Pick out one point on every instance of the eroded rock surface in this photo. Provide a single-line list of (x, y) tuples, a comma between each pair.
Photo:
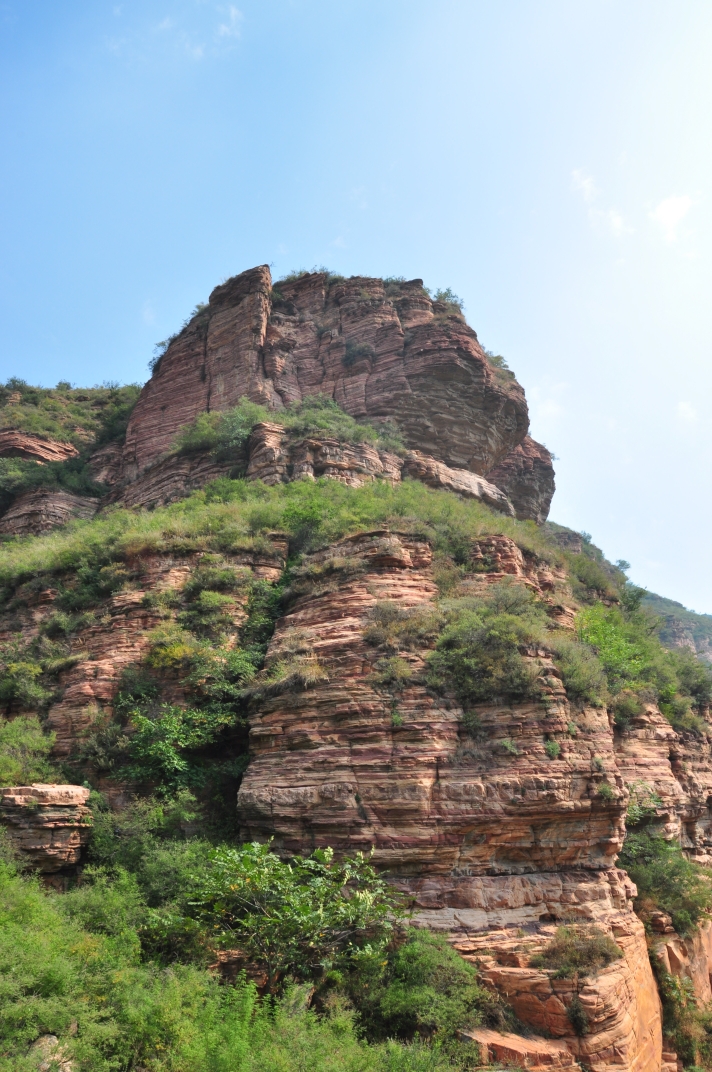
[(14, 444), (43, 509), (379, 354), (47, 824), (526, 476)]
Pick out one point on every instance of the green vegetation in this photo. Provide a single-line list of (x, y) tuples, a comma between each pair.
[(80, 416), (577, 949), (357, 351), (116, 967), (449, 298), (424, 989), (234, 515), (24, 752), (479, 652), (638, 669), (85, 417), (665, 878), (226, 434)]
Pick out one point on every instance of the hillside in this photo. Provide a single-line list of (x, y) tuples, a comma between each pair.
[(317, 612)]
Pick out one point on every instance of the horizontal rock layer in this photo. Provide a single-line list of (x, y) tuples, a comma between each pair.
[(14, 444), (47, 824), (397, 355), (43, 509)]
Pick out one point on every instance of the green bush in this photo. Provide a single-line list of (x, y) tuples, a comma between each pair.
[(581, 672), (423, 988), (24, 752), (577, 949), (299, 917), (552, 749), (222, 432), (479, 658), (666, 879)]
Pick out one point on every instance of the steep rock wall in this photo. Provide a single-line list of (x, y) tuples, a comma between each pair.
[(379, 355), (492, 840)]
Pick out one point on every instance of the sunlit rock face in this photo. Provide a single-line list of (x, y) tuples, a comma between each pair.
[(382, 351)]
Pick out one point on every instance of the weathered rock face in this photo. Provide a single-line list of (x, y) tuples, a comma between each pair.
[(676, 766), (38, 511), (686, 958), (118, 636), (330, 766), (15, 444), (526, 476), (379, 355), (276, 457), (620, 1002), (47, 824), (493, 840)]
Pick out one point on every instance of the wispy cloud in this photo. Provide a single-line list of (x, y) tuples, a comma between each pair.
[(199, 32), (610, 218), (232, 27), (585, 184), (669, 214)]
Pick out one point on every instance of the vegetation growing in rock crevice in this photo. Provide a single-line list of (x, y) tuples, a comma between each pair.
[(577, 950), (225, 434)]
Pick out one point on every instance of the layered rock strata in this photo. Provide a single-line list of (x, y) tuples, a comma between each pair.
[(14, 444), (274, 456), (379, 351), (118, 635), (485, 833), (43, 509), (47, 824), (526, 476)]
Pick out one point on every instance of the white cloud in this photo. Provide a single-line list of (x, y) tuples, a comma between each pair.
[(149, 316), (585, 184), (608, 217), (231, 28), (687, 413), (670, 213)]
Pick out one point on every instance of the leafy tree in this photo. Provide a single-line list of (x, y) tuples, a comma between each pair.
[(299, 916)]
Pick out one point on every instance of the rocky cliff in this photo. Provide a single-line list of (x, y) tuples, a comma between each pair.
[(359, 645), (379, 349)]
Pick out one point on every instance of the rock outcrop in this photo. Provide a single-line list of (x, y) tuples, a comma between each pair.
[(14, 444), (381, 351), (526, 476), (43, 509), (488, 834), (47, 824)]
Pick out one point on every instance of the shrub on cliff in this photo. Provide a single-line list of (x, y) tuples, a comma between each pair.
[(666, 879), (637, 667), (423, 988), (581, 672), (25, 752), (317, 415), (577, 949), (478, 655)]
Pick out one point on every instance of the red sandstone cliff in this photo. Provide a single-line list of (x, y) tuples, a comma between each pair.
[(380, 351)]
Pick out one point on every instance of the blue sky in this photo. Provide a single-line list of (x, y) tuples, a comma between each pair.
[(550, 160)]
